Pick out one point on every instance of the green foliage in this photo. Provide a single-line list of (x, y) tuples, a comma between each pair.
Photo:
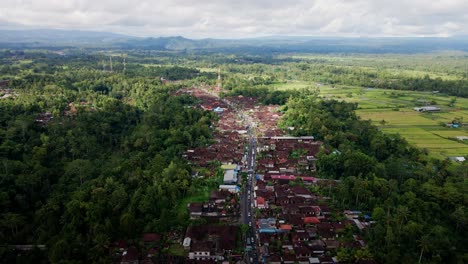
[(109, 169), (419, 206)]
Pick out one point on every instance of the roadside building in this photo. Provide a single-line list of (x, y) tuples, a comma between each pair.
[(427, 109), (230, 177)]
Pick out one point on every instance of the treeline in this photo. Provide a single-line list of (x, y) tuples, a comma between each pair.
[(264, 94), (385, 79), (420, 206), (108, 164), (80, 183)]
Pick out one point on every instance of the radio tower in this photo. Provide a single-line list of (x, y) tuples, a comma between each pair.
[(220, 83), (110, 61), (125, 65)]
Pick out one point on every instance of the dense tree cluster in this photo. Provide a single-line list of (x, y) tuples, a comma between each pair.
[(106, 162), (356, 76), (420, 206), (107, 165)]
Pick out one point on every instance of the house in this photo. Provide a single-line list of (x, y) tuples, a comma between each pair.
[(44, 118), (285, 227), (120, 244), (297, 200), (265, 238), (201, 250), (317, 247), (4, 83), (152, 252), (326, 231), (332, 244), (311, 220), (427, 109), (301, 191), (457, 159), (326, 260), (229, 167), (300, 236), (149, 238), (219, 197), (260, 203), (147, 260), (314, 261), (230, 177), (218, 110), (267, 223), (195, 209), (295, 220), (230, 188), (289, 259), (307, 211), (302, 252), (217, 240), (291, 209), (130, 256), (274, 260), (186, 243)]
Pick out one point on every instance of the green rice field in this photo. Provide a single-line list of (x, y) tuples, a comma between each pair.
[(392, 111)]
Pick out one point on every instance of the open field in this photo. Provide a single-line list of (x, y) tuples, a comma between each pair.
[(421, 129), (392, 111)]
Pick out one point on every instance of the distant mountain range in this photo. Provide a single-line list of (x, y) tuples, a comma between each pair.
[(59, 37), (43, 38)]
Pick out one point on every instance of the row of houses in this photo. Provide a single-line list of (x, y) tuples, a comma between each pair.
[(216, 242), (7, 93), (287, 155), (308, 229), (222, 204), (144, 251), (210, 242), (264, 117), (229, 136), (294, 224)]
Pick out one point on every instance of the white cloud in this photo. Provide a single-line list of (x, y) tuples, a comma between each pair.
[(243, 18)]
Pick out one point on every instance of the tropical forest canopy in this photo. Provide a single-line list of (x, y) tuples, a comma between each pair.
[(89, 155)]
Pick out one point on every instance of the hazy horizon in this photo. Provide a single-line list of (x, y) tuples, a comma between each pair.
[(242, 19)]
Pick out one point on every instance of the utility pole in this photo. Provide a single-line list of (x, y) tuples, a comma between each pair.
[(110, 60), (220, 82)]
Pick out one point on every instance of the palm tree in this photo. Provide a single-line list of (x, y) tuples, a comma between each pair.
[(424, 244), (402, 214), (13, 221)]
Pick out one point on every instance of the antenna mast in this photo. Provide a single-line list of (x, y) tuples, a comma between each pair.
[(219, 78), (110, 60)]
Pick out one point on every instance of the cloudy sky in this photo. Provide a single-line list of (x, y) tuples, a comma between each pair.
[(242, 18)]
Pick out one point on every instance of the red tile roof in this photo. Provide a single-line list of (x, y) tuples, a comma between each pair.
[(260, 201), (311, 220)]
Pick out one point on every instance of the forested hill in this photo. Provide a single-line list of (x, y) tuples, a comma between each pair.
[(420, 205), (90, 157), (263, 45)]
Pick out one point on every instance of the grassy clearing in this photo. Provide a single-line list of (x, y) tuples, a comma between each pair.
[(392, 111), (177, 250), (203, 190), (208, 69), (291, 85), (202, 195), (421, 129)]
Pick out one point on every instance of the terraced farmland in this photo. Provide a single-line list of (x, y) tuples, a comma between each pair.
[(392, 111)]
